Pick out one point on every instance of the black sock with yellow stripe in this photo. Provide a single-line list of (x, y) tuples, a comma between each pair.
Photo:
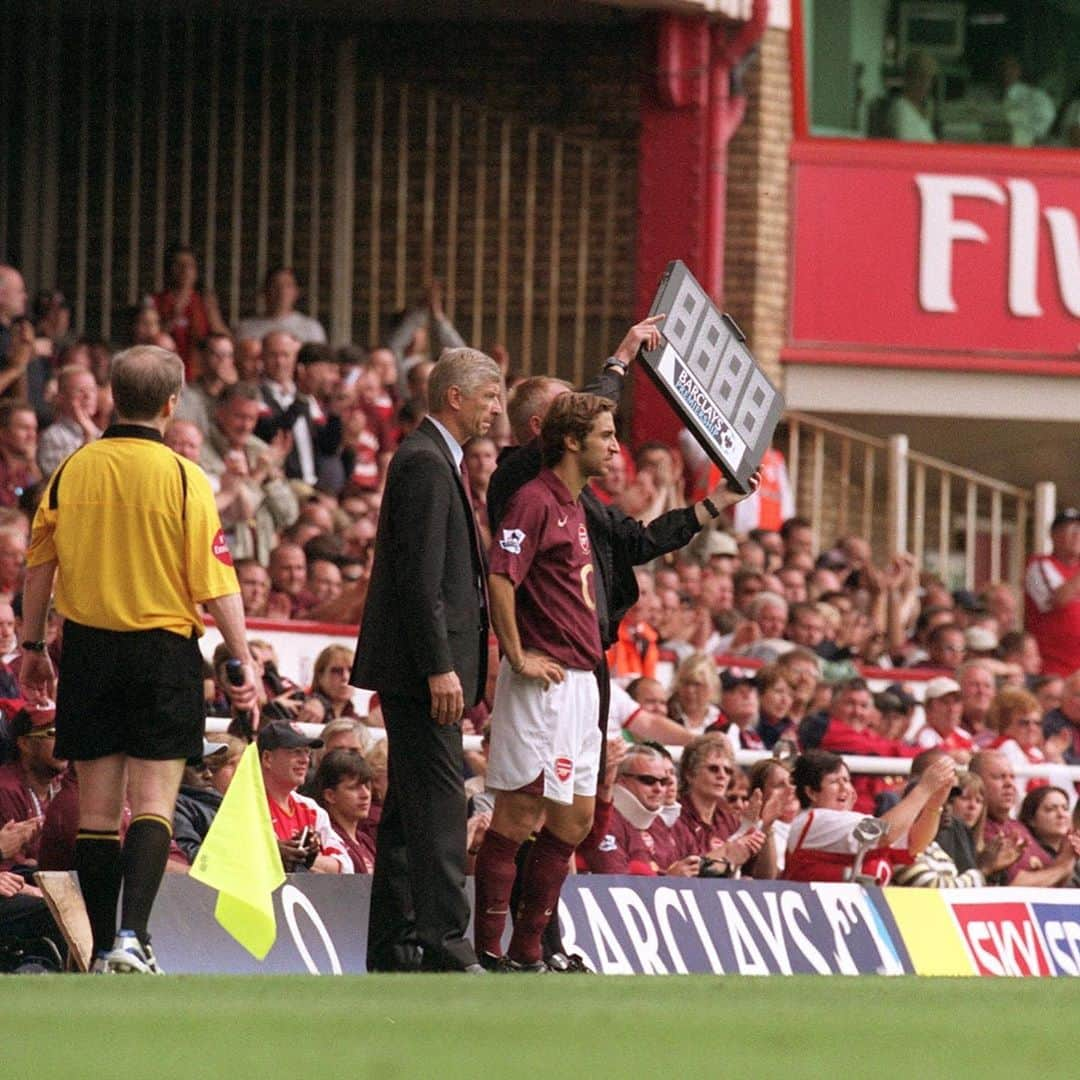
[(146, 851), (99, 866)]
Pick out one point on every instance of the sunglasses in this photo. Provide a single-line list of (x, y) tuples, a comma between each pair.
[(645, 778), (718, 770)]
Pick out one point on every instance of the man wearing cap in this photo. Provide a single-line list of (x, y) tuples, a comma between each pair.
[(944, 707), (740, 706), (306, 839), (1052, 596), (197, 803), (28, 784)]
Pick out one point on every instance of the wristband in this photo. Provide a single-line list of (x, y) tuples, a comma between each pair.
[(34, 646), (710, 508)]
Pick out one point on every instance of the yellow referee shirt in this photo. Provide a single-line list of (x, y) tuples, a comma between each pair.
[(135, 533)]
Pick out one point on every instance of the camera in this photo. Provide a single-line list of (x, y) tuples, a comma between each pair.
[(713, 868)]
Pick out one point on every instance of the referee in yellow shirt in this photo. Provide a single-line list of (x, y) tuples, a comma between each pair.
[(129, 532)]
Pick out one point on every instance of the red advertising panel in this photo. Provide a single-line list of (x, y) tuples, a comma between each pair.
[(942, 256), (1002, 938)]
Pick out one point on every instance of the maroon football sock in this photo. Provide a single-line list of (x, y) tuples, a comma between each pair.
[(495, 870), (545, 872)]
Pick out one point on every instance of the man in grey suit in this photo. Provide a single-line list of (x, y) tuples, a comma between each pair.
[(423, 648)]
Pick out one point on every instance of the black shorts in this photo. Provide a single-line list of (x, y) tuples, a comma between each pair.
[(135, 692)]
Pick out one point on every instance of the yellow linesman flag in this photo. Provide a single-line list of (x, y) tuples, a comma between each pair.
[(240, 858)]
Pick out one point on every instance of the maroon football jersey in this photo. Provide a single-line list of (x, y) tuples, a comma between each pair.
[(543, 547)]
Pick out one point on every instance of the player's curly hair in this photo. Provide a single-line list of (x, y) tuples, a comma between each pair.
[(570, 415)]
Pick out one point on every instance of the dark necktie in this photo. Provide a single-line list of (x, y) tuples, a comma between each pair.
[(481, 581)]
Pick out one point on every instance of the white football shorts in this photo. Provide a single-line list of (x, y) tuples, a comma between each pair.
[(546, 742)]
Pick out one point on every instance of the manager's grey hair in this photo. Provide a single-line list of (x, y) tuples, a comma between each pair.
[(467, 369)]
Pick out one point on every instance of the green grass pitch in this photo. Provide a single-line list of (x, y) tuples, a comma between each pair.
[(539, 1027)]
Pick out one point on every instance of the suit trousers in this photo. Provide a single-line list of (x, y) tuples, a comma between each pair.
[(418, 890)]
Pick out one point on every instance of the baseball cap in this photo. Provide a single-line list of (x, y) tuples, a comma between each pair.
[(278, 735), (209, 748), (729, 680), (34, 720), (1069, 516), (941, 686)]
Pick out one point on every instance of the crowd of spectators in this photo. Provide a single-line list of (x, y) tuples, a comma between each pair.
[(757, 640)]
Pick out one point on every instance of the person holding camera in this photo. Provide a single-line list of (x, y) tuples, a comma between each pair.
[(306, 839)]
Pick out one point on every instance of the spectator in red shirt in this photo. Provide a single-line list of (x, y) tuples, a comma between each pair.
[(306, 839), (1052, 596), (944, 707), (188, 313), (848, 732)]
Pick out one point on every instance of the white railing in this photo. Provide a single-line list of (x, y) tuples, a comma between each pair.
[(968, 528)]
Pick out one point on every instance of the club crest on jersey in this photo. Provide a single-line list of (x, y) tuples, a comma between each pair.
[(583, 538), (564, 768), (511, 541), (221, 549)]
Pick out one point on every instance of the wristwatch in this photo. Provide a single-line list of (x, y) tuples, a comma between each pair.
[(710, 508), (34, 646), (615, 362)]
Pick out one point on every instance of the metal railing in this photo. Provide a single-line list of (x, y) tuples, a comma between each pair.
[(968, 528)]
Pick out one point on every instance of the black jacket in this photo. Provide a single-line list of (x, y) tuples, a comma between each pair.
[(194, 812), (619, 543), (424, 613), (326, 436)]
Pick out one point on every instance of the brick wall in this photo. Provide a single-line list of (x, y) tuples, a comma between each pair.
[(756, 262)]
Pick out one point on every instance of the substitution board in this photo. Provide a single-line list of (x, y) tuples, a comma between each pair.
[(703, 367)]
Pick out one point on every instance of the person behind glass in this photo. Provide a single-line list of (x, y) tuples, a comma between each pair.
[(423, 648), (188, 312), (909, 113), (1045, 811)]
